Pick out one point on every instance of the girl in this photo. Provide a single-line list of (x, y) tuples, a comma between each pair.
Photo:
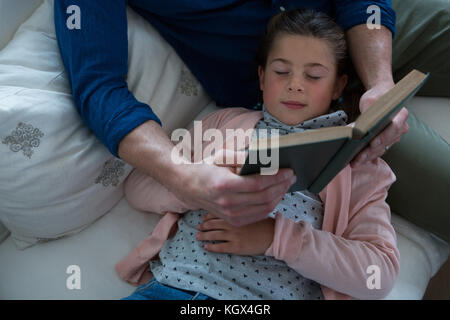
[(335, 245)]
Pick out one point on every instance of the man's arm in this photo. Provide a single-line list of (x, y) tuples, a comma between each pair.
[(95, 57), (371, 53)]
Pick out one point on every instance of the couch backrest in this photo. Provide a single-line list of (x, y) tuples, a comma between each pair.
[(12, 14)]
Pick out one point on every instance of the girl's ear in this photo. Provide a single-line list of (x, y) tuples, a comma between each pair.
[(341, 82), (261, 78)]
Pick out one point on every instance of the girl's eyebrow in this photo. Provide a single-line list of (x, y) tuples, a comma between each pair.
[(312, 64), (316, 64), (282, 60)]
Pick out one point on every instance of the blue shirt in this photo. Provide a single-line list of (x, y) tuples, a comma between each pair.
[(216, 39)]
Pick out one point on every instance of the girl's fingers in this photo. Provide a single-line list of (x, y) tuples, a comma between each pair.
[(209, 216), (224, 247), (216, 235), (213, 224), (253, 213)]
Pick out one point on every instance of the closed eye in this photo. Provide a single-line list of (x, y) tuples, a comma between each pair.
[(312, 77), (279, 72)]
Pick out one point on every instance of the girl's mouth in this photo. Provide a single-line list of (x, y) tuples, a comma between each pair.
[(294, 105)]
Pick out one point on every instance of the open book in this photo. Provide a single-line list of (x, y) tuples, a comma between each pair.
[(318, 155)]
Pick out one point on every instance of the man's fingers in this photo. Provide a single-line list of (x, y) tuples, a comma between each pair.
[(251, 214), (266, 196), (257, 182), (245, 208), (400, 119), (228, 158), (213, 224), (390, 136)]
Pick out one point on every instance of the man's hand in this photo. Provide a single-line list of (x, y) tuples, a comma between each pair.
[(239, 200), (252, 239), (391, 135), (371, 53)]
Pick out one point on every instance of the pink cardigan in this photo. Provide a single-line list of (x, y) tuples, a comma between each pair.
[(356, 231)]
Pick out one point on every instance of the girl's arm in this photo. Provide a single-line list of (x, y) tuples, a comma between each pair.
[(146, 194), (367, 248)]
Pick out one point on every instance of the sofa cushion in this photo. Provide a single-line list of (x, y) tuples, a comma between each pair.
[(60, 178), (41, 271)]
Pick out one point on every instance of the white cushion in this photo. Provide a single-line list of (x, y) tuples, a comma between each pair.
[(60, 178), (421, 256), (40, 272), (12, 14)]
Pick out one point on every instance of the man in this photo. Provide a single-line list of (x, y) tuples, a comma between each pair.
[(207, 34)]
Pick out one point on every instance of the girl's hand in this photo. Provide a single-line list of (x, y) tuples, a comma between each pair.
[(252, 239)]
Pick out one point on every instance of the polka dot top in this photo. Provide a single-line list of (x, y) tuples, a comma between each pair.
[(185, 264)]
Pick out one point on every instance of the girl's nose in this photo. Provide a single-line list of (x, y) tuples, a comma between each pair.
[(290, 88), (295, 85)]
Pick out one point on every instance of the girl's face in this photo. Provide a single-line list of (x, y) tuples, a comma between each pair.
[(299, 80)]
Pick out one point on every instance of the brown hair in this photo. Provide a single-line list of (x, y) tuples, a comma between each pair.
[(310, 23)]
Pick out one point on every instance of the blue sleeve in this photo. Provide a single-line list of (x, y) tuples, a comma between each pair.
[(95, 57), (350, 13)]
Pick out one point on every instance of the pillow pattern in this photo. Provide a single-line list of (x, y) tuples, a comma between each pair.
[(57, 178)]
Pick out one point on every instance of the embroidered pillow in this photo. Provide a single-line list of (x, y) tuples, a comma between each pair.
[(56, 177)]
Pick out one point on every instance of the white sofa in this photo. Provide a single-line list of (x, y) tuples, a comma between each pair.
[(41, 271)]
